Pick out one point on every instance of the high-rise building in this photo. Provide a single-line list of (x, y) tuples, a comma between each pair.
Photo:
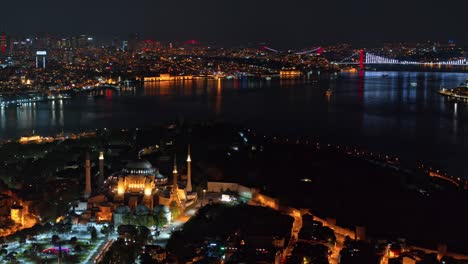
[(3, 43), (43, 54)]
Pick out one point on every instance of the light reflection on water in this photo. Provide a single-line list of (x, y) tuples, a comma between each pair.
[(396, 112)]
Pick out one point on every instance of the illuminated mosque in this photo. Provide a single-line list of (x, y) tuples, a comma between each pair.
[(137, 185)]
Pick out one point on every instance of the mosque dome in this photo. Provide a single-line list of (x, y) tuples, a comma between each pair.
[(139, 167)]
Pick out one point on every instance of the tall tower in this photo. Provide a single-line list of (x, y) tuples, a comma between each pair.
[(3, 43), (87, 192), (189, 172), (42, 54), (174, 174), (101, 168), (361, 59)]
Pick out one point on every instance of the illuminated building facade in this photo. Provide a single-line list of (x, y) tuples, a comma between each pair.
[(290, 73), (41, 54), (17, 214), (34, 139), (167, 77), (139, 177), (137, 185)]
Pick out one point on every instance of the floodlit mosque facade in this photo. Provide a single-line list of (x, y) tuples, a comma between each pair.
[(137, 185), (139, 177)]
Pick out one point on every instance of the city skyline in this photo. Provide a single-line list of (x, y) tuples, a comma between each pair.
[(152, 132), (295, 24)]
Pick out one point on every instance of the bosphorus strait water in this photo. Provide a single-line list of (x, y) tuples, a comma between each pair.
[(398, 113)]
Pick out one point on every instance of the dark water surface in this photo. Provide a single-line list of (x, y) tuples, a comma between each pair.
[(380, 111)]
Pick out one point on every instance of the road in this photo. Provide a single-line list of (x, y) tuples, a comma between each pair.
[(98, 255), (296, 228), (166, 232)]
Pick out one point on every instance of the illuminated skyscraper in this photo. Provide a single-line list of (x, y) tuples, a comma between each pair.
[(3, 43), (42, 54)]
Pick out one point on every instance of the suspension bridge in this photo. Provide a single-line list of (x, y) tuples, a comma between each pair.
[(362, 58)]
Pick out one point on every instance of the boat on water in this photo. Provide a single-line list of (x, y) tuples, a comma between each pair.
[(413, 84), (268, 78)]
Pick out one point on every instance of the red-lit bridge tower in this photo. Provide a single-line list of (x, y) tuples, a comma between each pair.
[(362, 56)]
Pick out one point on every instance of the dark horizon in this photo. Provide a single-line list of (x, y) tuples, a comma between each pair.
[(296, 23)]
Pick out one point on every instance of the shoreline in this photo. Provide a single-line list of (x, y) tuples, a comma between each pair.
[(448, 93)]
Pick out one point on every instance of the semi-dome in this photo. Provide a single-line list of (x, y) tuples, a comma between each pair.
[(139, 167), (160, 179), (123, 209), (142, 210)]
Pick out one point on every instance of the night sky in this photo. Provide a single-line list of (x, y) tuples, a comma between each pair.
[(284, 23)]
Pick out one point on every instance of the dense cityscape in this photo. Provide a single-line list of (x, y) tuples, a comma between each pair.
[(44, 67), (247, 132), (96, 197), (47, 62)]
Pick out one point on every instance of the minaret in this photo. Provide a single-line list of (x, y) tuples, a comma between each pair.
[(101, 169), (174, 174), (87, 192), (188, 188)]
